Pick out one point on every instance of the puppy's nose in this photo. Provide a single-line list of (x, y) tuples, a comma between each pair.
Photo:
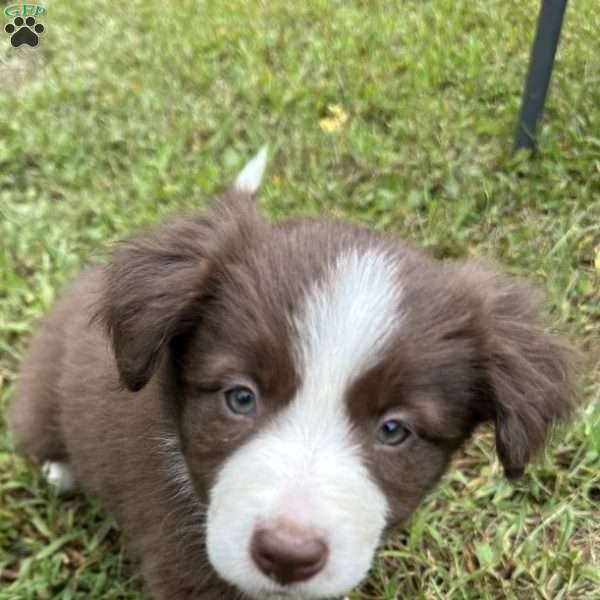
[(288, 554)]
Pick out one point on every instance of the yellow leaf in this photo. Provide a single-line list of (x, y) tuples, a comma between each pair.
[(337, 119)]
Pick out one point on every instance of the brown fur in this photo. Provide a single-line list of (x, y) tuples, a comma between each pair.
[(119, 381)]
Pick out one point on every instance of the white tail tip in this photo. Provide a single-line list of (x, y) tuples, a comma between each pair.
[(251, 175)]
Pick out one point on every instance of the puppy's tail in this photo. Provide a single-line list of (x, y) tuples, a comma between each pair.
[(250, 177)]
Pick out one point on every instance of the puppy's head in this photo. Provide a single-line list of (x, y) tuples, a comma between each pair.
[(322, 376)]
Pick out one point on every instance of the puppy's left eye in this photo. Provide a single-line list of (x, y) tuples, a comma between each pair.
[(392, 432), (241, 400)]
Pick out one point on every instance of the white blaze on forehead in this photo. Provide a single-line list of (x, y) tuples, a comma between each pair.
[(346, 322)]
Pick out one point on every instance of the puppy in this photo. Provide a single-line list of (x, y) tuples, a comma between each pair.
[(259, 404)]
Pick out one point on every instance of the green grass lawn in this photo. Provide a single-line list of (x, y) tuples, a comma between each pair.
[(128, 111)]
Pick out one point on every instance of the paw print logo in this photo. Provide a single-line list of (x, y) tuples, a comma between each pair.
[(24, 31)]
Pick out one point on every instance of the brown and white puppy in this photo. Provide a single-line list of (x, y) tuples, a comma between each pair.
[(259, 404)]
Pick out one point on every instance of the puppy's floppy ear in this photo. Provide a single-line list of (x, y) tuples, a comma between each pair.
[(529, 373), (154, 285), (151, 285)]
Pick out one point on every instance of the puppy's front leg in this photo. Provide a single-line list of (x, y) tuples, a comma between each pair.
[(163, 526), (171, 572), (187, 590)]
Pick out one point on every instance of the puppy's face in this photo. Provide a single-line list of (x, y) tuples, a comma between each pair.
[(323, 375), (320, 404)]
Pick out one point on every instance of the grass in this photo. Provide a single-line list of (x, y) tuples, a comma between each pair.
[(128, 111)]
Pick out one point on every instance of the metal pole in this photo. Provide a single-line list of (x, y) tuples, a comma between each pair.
[(549, 25)]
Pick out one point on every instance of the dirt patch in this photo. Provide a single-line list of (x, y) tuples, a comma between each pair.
[(19, 67)]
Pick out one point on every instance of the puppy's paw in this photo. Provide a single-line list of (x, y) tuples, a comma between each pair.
[(59, 476)]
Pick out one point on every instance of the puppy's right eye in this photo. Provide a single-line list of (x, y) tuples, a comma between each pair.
[(241, 401), (392, 432)]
